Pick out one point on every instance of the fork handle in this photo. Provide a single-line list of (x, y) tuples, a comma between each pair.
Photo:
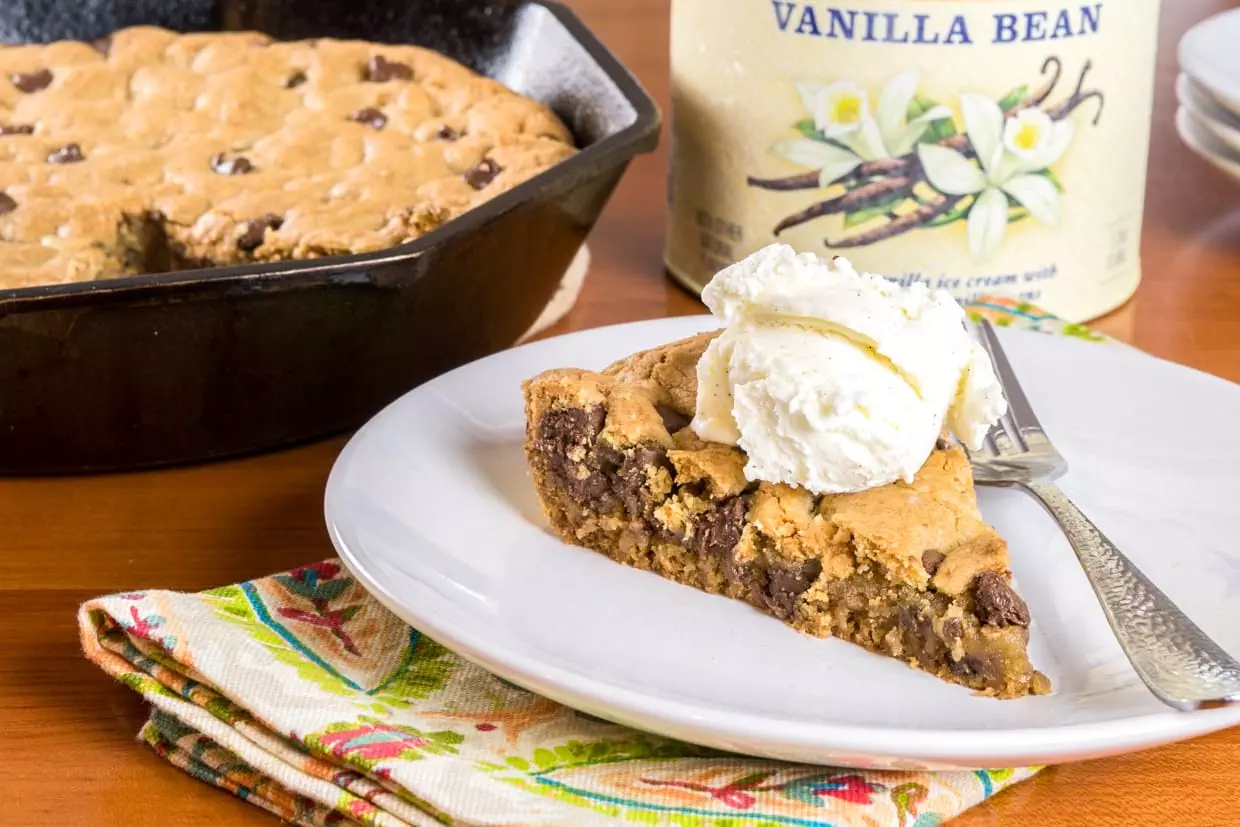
[(1176, 660)]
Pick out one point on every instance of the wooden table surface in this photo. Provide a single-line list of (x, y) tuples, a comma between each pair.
[(69, 755)]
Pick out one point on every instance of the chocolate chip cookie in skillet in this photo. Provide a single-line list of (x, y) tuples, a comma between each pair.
[(153, 151)]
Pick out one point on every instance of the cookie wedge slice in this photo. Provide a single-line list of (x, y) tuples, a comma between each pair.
[(910, 571)]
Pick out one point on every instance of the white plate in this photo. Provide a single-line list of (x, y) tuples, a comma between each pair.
[(1206, 111), (1198, 137), (429, 505), (1208, 53)]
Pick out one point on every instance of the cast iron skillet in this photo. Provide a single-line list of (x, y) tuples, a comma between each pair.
[(185, 366)]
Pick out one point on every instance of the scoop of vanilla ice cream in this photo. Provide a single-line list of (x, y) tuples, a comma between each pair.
[(834, 380)]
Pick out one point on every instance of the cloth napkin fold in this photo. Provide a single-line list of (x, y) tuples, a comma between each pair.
[(303, 695)]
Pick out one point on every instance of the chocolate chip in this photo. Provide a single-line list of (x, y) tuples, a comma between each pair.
[(483, 174), (380, 69), (563, 429), (985, 667), (254, 231), (294, 80), (67, 154), (785, 584), (953, 630), (370, 116), (571, 432), (633, 474), (932, 559), (17, 129), (7, 204), (718, 530), (231, 166), (103, 45), (673, 419), (447, 133), (996, 604), (919, 637), (30, 82)]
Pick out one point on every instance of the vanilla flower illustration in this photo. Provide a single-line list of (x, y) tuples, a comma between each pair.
[(841, 112), (1009, 157)]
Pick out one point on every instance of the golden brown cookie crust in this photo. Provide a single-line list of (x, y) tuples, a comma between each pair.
[(232, 147)]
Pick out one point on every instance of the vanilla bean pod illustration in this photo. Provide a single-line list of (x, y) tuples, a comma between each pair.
[(1078, 97), (1040, 97), (898, 226), (898, 176), (864, 196), (907, 165), (801, 181)]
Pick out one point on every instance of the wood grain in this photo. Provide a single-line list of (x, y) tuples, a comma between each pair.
[(69, 756)]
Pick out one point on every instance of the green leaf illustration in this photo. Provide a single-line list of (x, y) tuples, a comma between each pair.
[(935, 130), (1078, 331), (1052, 177), (852, 219), (1011, 99), (956, 213), (809, 130)]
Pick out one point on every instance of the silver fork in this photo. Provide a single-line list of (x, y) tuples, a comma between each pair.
[(1180, 664)]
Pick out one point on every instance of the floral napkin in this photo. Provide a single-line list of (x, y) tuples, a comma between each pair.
[(303, 695)]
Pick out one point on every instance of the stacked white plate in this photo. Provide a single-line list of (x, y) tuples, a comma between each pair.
[(1208, 89)]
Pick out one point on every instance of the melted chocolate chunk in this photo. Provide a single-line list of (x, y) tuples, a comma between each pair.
[(231, 166), (67, 154), (447, 133), (370, 116), (919, 637), (673, 419), (294, 80), (718, 530), (985, 667), (633, 473), (568, 432), (483, 174), (17, 129), (561, 430), (996, 604), (7, 204), (953, 630), (785, 585), (31, 82), (255, 230), (103, 45), (932, 559), (380, 69)]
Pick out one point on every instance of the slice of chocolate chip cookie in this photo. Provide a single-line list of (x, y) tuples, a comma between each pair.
[(908, 570)]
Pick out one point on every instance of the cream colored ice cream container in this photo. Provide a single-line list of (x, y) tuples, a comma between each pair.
[(987, 147)]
